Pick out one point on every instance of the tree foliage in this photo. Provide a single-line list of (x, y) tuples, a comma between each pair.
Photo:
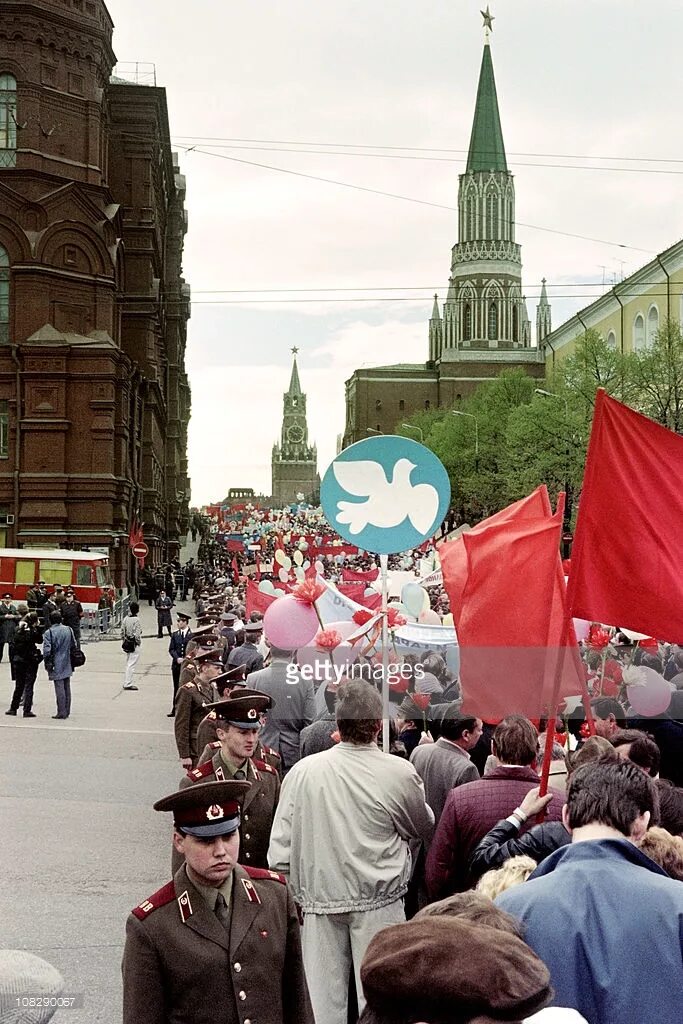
[(507, 438)]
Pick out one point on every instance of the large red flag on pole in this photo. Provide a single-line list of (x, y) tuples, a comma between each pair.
[(626, 558)]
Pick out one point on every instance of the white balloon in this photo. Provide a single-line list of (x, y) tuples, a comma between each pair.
[(298, 558), (284, 575), (300, 574)]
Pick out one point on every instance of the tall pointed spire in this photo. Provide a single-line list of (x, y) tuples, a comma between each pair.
[(294, 385), (543, 316), (487, 149)]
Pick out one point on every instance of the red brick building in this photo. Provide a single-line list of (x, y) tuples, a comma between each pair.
[(94, 398)]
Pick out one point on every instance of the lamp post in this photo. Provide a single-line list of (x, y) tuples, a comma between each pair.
[(567, 519), (371, 430), (470, 415), (411, 426)]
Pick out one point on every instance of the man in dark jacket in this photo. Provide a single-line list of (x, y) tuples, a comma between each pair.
[(177, 648), (471, 810), (72, 613), (8, 624), (293, 705), (247, 654)]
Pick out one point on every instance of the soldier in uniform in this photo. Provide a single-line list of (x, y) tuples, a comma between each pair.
[(247, 654), (237, 729), (190, 706), (219, 944), (207, 741), (176, 648)]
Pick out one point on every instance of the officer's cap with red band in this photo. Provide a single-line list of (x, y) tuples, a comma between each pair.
[(206, 809)]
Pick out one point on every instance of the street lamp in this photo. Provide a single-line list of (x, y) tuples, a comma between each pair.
[(411, 426), (567, 519), (457, 412)]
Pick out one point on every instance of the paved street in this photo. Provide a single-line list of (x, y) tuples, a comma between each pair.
[(80, 843)]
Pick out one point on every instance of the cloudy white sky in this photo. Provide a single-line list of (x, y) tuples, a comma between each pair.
[(578, 81)]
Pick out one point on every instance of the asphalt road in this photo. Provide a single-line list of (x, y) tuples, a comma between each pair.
[(79, 842)]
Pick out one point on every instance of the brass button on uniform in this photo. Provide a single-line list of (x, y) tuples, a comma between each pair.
[(247, 1021), (238, 967), (242, 995), (247, 855), (247, 836)]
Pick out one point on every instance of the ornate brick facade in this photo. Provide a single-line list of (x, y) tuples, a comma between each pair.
[(92, 360)]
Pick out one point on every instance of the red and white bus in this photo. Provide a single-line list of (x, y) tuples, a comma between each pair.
[(86, 572)]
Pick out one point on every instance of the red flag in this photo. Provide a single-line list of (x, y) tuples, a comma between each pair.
[(356, 592), (360, 575), (256, 600), (626, 554), (235, 570), (508, 595)]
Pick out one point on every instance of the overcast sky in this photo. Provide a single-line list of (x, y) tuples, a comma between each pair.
[(576, 78)]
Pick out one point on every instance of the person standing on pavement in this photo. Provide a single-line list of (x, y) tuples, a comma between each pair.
[(72, 613), (58, 643), (26, 659), (190, 706), (248, 654), (220, 943), (341, 832), (163, 604), (177, 648), (131, 642), (8, 624)]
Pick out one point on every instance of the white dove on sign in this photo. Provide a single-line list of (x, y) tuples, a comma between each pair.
[(387, 504)]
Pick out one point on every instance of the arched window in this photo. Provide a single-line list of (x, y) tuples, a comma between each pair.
[(8, 121), (472, 206), (611, 340), (492, 214), (493, 321), (4, 296), (652, 325), (638, 333), (515, 322), (467, 333)]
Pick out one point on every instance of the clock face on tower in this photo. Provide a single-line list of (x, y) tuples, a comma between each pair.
[(295, 434)]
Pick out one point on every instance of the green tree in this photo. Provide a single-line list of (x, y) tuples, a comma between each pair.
[(657, 375)]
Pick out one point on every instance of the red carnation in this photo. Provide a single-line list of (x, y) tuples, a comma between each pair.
[(335, 737), (610, 687), (394, 618), (399, 684), (328, 639), (598, 638), (649, 644), (613, 671), (362, 616), (421, 700), (585, 731), (309, 591)]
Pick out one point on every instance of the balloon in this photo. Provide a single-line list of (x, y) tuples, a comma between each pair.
[(306, 565), (412, 596), (283, 575), (280, 556), (319, 567), (278, 593), (266, 587), (448, 620), (303, 545), (651, 699), (290, 624), (426, 603), (298, 558), (369, 592), (581, 628), (300, 574), (286, 563), (323, 667), (429, 618), (345, 629)]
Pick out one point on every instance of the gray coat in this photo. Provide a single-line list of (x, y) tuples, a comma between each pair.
[(58, 641), (293, 708), (442, 766)]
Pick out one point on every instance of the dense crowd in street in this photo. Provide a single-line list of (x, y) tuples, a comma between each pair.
[(316, 878)]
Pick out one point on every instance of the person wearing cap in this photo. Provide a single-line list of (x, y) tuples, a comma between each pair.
[(248, 653), (199, 634), (220, 943), (176, 648), (190, 705), (223, 684), (227, 632), (237, 729), (163, 605), (8, 624)]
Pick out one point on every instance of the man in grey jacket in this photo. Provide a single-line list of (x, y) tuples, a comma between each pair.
[(341, 833), (293, 705), (446, 764)]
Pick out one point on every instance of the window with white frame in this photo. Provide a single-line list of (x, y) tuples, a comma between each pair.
[(611, 340), (652, 325), (638, 333), (8, 120)]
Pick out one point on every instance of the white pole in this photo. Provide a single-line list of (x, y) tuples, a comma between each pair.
[(384, 572)]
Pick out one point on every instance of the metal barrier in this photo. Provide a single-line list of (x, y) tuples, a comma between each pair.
[(103, 623)]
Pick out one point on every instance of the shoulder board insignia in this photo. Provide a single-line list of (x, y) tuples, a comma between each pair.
[(189, 685), (200, 773), (272, 753), (215, 744), (158, 899), (219, 773), (263, 766), (184, 906), (249, 889), (264, 873), (212, 716)]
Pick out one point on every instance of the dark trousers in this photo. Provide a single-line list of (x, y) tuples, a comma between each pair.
[(161, 624), (25, 679), (175, 672), (63, 696)]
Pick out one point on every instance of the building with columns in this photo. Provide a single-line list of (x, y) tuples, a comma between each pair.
[(94, 397), (294, 461), (483, 326)]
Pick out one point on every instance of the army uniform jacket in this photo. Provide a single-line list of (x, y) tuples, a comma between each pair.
[(182, 966), (190, 703), (258, 807), (207, 745)]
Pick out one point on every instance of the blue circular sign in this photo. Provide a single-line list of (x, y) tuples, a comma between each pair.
[(385, 494)]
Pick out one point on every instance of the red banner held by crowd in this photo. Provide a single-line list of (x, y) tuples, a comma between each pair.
[(626, 556), (360, 575)]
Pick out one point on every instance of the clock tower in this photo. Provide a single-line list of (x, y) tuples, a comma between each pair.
[(294, 463)]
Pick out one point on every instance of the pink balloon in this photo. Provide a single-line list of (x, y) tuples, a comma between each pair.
[(652, 699), (581, 628), (326, 669), (429, 618), (289, 624)]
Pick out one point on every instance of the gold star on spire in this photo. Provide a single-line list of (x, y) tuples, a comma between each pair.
[(488, 21), (295, 350)]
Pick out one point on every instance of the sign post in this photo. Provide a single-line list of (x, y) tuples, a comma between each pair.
[(140, 550), (386, 494)]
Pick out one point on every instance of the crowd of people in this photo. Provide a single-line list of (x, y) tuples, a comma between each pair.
[(430, 884)]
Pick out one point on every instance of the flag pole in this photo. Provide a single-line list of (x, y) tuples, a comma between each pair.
[(384, 574)]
